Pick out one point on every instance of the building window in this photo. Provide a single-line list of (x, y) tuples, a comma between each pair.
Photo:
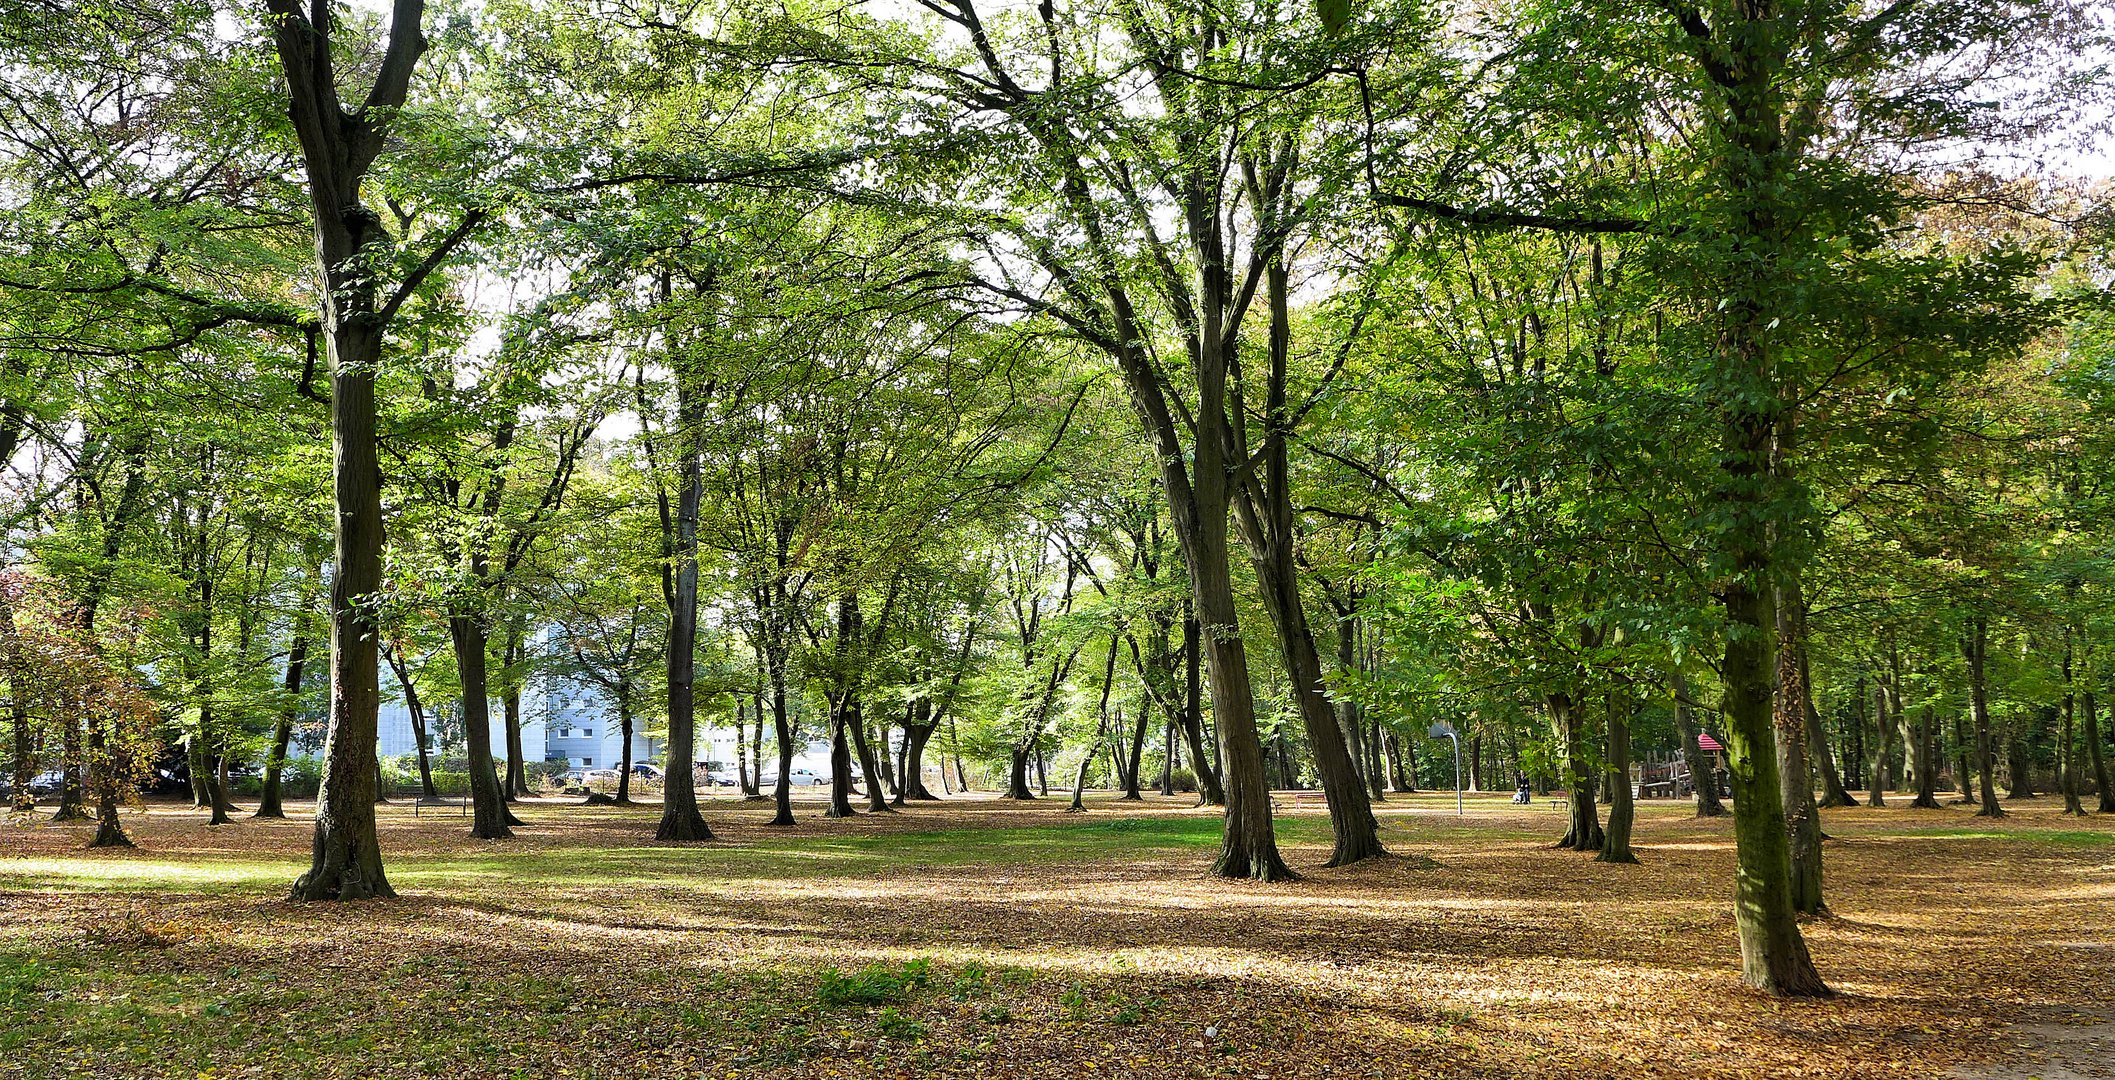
[(587, 733), (587, 761)]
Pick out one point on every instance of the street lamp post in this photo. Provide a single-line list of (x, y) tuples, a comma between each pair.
[(1446, 730)]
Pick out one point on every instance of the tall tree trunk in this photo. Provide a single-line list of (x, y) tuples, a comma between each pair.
[(1875, 794), (338, 147), (416, 710), (877, 802), (782, 731), (1265, 513), (1622, 813), (624, 742), (1927, 770), (2095, 753), (680, 821), (1795, 775), (1976, 647), (1365, 751), (513, 654), (1963, 777), (489, 816)]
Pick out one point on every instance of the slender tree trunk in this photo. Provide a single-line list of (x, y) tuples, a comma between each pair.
[(1833, 792), (1963, 778), (2095, 753), (624, 741), (1875, 794), (782, 730), (877, 802), (680, 821), (513, 654), (1209, 790), (1979, 705)]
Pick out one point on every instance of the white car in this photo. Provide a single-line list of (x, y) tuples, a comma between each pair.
[(796, 778)]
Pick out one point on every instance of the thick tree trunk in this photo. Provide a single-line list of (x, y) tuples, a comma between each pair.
[(1137, 755), (1622, 813), (489, 817), (680, 821), (1976, 648), (841, 758), (1795, 775), (1926, 769), (915, 738), (1583, 831)]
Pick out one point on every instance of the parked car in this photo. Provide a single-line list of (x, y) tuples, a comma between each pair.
[(796, 778), (648, 772), (721, 778)]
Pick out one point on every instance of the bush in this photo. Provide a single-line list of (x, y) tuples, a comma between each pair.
[(1183, 780)]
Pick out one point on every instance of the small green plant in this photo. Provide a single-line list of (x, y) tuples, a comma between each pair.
[(974, 981), (996, 1014), (1131, 1012), (875, 984), (1074, 999), (895, 1025)]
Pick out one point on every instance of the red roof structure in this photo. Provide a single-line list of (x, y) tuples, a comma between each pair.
[(1707, 744)]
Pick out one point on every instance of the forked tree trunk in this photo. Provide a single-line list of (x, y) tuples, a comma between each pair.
[(1265, 513), (337, 148)]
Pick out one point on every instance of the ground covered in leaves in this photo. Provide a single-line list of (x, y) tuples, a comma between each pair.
[(991, 939)]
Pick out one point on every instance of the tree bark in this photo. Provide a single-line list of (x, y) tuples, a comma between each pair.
[(489, 817), (1795, 772), (1583, 831), (1622, 813), (338, 147), (2095, 753)]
